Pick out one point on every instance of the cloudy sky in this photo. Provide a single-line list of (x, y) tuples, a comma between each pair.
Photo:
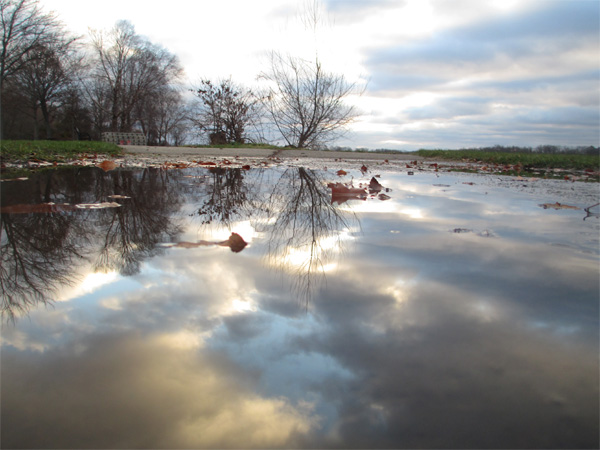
[(438, 73)]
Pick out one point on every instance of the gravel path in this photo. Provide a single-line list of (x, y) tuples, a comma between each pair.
[(190, 152)]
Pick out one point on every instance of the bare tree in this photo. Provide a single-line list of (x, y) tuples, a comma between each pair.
[(25, 29), (47, 78), (128, 69), (225, 111), (306, 103), (164, 117)]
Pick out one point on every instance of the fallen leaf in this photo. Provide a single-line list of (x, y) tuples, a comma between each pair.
[(364, 169), (383, 197), (117, 196), (341, 172), (178, 165), (341, 193), (16, 179), (235, 242), (107, 165), (374, 185), (101, 205), (557, 206)]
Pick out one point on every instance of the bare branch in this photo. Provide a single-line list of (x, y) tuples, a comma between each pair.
[(306, 103)]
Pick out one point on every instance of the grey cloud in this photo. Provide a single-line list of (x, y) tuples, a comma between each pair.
[(393, 81), (448, 108), (413, 362), (468, 125), (134, 391), (433, 367), (570, 116), (562, 85), (242, 327), (567, 117), (553, 28), (553, 20)]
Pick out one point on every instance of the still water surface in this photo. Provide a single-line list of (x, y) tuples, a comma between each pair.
[(428, 312)]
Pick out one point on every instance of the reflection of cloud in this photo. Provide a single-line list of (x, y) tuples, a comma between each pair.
[(419, 338), (450, 356), (131, 391), (90, 283)]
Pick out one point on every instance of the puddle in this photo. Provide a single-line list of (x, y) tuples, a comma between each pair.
[(288, 306)]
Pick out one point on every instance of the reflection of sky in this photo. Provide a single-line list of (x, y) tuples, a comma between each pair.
[(420, 337)]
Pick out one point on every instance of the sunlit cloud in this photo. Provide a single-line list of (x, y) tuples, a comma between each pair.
[(182, 397), (89, 284)]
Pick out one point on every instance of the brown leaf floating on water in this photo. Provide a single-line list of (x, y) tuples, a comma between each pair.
[(557, 206), (341, 193), (15, 179), (107, 165), (101, 205), (375, 186), (235, 242), (117, 196)]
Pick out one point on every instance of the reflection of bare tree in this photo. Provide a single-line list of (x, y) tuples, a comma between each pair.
[(227, 196), (39, 250), (131, 233), (304, 226), (293, 209), (37, 253)]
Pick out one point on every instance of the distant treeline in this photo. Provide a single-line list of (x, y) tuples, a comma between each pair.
[(545, 149)]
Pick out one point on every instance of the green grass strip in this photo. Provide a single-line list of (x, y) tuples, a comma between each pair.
[(55, 150), (537, 160)]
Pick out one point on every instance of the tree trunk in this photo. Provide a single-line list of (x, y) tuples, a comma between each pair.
[(46, 116), (36, 127)]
